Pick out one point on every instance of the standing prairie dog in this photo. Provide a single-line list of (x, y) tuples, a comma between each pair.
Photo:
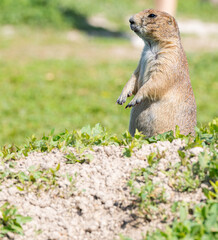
[(163, 93)]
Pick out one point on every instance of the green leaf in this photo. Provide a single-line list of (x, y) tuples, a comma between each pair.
[(20, 188), (183, 212), (52, 131), (174, 206), (58, 167), (177, 132), (87, 130), (151, 158), (127, 152), (21, 219), (181, 154)]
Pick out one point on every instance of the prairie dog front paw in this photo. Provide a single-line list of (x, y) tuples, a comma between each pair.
[(136, 100), (122, 99)]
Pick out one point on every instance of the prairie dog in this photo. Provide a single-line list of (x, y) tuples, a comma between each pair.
[(163, 93)]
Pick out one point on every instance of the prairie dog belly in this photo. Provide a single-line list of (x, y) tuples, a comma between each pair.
[(152, 118), (141, 118)]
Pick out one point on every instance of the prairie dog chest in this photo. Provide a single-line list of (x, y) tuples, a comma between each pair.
[(147, 63)]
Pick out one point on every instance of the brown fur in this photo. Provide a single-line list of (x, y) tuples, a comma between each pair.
[(161, 84)]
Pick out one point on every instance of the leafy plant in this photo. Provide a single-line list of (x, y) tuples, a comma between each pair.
[(154, 158), (212, 195), (182, 177), (88, 137), (187, 176), (37, 179), (202, 224), (132, 142), (148, 194), (10, 220), (71, 158)]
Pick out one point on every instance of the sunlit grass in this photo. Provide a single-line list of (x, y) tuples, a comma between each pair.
[(66, 85), (64, 13)]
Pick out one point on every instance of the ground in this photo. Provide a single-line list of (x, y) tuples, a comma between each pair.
[(92, 200)]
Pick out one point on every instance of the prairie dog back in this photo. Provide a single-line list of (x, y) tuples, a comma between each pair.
[(163, 93)]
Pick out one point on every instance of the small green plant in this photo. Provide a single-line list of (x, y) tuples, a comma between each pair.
[(148, 195), (5, 174), (154, 158), (10, 220), (212, 195), (124, 238), (130, 142), (182, 178), (202, 223), (84, 158), (37, 179), (188, 176), (207, 165), (70, 188), (88, 137), (9, 152), (183, 157)]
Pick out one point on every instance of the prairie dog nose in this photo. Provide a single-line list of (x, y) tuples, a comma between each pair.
[(131, 20)]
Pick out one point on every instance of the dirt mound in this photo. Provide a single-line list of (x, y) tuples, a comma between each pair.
[(89, 199)]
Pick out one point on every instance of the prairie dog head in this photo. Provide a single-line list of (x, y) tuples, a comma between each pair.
[(154, 25)]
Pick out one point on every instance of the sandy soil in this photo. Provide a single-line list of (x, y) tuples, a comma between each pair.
[(96, 204)]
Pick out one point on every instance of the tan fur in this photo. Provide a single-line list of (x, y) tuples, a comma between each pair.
[(161, 84)]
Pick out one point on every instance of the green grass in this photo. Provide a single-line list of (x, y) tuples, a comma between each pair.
[(200, 9), (39, 92), (65, 13), (203, 73), (79, 94)]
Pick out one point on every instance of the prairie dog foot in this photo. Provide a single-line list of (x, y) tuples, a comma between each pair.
[(136, 100), (122, 98)]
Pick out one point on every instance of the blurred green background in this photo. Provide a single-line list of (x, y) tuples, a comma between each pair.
[(61, 70)]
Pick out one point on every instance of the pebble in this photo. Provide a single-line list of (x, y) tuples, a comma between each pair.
[(108, 204), (196, 150)]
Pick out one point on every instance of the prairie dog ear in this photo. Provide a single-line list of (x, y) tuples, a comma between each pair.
[(169, 22), (172, 21)]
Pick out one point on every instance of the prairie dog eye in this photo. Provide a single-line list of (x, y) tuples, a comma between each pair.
[(152, 15)]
